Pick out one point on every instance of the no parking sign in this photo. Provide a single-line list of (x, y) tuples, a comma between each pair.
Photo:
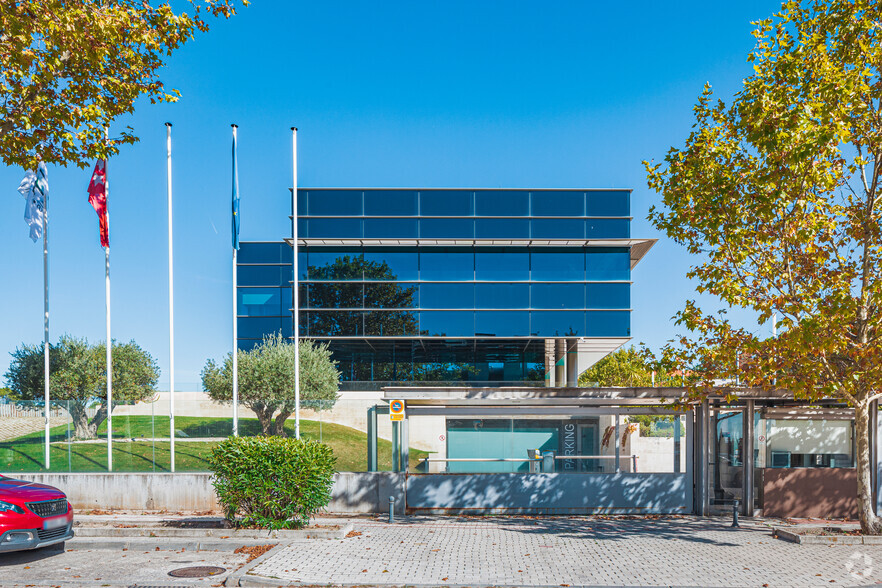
[(396, 410)]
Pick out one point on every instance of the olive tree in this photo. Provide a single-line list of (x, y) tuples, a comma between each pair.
[(266, 380)]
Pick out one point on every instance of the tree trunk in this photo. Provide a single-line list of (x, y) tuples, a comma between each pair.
[(83, 429), (264, 417), (870, 523), (280, 423)]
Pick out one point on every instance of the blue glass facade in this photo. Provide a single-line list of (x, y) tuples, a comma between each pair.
[(444, 285)]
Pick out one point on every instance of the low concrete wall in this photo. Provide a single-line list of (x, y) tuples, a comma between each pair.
[(353, 492), (809, 492)]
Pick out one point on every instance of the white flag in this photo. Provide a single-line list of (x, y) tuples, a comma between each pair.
[(35, 187)]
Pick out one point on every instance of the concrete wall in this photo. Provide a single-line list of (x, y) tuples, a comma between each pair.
[(808, 492), (359, 492)]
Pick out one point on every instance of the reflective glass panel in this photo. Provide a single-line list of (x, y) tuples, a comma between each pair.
[(391, 295), (558, 203), (609, 296), (335, 323), (447, 228), (304, 296), (557, 264), (502, 228), (446, 264), (446, 203), (502, 203), (335, 264), (301, 264), (558, 228), (609, 203), (562, 323), (391, 323), (502, 264), (258, 327), (609, 323), (445, 323), (334, 202), (447, 296), (390, 228), (390, 203), (331, 295), (263, 275), (502, 323), (263, 253), (391, 263), (558, 296), (608, 263), (260, 302), (334, 228), (302, 228), (502, 296), (608, 228)]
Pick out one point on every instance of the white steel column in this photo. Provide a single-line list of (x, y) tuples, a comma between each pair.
[(171, 303), (46, 410), (109, 344), (296, 294)]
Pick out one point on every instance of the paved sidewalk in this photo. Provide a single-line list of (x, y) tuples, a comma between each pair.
[(547, 551)]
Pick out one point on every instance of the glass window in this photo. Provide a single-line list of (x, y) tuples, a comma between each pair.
[(335, 264), (608, 263), (260, 302), (608, 296), (809, 443), (562, 323), (558, 296), (557, 264), (302, 266), (390, 323), (447, 264), (390, 228), (331, 295), (334, 228), (447, 228), (301, 203), (558, 203), (263, 253), (502, 323), (259, 327), (446, 203), (502, 264), (263, 275), (302, 228), (447, 296), (447, 323), (609, 203), (303, 324), (502, 228), (335, 323), (390, 203), (303, 295), (334, 202), (609, 323), (502, 296), (391, 263), (391, 295), (558, 228), (502, 203), (608, 228)]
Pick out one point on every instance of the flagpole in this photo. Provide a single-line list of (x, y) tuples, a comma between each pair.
[(171, 302), (235, 299), (109, 344), (45, 315), (296, 294)]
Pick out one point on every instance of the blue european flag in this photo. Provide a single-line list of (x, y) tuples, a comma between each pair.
[(235, 194)]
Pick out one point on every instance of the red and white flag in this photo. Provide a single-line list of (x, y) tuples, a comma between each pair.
[(98, 200)]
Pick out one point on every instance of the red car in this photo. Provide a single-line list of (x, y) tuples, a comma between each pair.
[(32, 515)]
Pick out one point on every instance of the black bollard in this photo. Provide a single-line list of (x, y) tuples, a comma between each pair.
[(735, 506), (391, 509)]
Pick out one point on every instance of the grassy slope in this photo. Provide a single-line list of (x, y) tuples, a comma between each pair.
[(25, 454)]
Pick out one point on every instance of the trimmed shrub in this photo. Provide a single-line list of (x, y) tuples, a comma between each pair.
[(272, 482)]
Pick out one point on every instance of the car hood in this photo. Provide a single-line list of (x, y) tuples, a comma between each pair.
[(27, 491)]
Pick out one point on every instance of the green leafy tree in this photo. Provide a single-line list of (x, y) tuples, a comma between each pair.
[(777, 194), (78, 378), (266, 380), (631, 367), (68, 68)]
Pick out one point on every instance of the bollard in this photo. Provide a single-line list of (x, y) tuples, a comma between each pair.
[(735, 506), (391, 509)]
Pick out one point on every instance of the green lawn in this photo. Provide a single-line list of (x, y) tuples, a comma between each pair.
[(25, 454)]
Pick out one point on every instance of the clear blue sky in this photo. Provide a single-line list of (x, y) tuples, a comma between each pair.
[(391, 94)]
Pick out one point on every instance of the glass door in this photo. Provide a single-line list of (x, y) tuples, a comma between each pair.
[(588, 446)]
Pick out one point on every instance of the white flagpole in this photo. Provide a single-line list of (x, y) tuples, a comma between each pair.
[(45, 313), (235, 301), (109, 344), (296, 295), (171, 303)]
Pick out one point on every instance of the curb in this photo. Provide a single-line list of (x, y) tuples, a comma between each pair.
[(237, 577), (792, 537), (151, 544), (225, 534)]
